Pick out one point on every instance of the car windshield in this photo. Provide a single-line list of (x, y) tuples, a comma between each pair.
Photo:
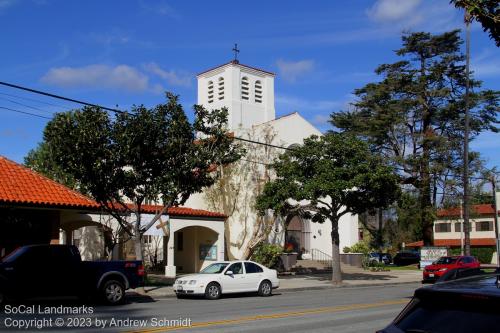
[(446, 260), (216, 268)]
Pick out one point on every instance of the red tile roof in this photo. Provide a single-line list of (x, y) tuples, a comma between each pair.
[(483, 209), (182, 211), (235, 62), (21, 185), (456, 242)]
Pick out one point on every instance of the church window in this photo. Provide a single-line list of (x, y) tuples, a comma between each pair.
[(210, 91), (258, 92), (245, 88), (221, 88)]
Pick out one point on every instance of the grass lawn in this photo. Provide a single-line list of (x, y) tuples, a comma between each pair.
[(403, 268)]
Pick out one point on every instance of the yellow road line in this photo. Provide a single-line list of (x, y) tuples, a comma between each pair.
[(337, 308)]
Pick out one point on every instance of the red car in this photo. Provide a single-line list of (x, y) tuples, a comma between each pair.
[(444, 264)]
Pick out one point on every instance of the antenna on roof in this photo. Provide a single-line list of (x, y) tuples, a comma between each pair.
[(236, 51)]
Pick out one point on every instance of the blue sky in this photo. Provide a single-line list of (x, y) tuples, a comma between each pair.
[(119, 53)]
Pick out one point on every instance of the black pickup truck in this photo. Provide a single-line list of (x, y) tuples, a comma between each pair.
[(35, 271)]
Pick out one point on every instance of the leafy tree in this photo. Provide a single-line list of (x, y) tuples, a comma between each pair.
[(40, 160), (486, 12), (145, 154), (414, 116), (326, 178), (235, 191)]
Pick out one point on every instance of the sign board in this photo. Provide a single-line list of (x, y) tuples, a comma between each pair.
[(208, 252), (429, 254)]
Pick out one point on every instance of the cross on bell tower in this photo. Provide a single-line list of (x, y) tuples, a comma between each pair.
[(236, 51)]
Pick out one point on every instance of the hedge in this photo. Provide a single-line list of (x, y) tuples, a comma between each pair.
[(483, 254)]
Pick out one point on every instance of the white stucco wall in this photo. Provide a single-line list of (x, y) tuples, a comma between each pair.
[(473, 232), (242, 113)]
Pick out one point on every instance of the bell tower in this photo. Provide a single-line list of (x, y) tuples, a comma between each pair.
[(247, 93)]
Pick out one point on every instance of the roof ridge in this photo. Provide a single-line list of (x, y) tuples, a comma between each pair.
[(237, 63)]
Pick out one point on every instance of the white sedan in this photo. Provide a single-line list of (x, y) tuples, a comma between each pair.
[(228, 277)]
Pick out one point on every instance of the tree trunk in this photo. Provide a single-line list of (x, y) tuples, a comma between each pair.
[(138, 238), (426, 215), (380, 234), (138, 246), (336, 272)]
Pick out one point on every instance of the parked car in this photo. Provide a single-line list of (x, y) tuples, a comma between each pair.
[(460, 306), (377, 257), (433, 272), (58, 270), (460, 273), (228, 277), (406, 258)]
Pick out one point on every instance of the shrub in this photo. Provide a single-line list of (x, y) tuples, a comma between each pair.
[(483, 254), (360, 247), (346, 249), (267, 254)]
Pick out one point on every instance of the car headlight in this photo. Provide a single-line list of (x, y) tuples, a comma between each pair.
[(192, 282), (176, 281), (443, 269)]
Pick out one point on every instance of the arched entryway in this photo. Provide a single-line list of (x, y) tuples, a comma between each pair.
[(91, 238), (195, 247), (297, 235)]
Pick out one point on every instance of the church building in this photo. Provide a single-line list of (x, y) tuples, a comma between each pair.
[(248, 94)]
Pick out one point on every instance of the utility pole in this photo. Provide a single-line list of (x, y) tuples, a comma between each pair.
[(461, 228), (495, 215), (467, 19)]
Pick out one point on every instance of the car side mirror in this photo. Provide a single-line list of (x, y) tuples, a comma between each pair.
[(229, 273)]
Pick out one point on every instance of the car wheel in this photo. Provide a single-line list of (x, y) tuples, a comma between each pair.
[(212, 291), (265, 288), (113, 292), (180, 296)]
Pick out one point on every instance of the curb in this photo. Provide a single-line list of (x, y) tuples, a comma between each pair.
[(135, 295)]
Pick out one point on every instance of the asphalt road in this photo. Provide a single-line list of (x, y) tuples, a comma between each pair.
[(357, 310)]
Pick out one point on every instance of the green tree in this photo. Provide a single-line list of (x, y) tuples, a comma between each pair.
[(40, 160), (145, 154), (326, 178), (486, 12), (414, 116)]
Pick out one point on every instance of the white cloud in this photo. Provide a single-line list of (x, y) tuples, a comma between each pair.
[(161, 8), (291, 70), (110, 38), (393, 10), (426, 15), (98, 76), (172, 77)]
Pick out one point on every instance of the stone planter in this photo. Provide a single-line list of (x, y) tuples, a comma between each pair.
[(353, 259), (288, 260)]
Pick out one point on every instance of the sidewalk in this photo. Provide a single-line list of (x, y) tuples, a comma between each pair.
[(352, 277)]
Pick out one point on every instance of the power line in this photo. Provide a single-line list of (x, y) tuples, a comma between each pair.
[(24, 112), (36, 100), (125, 112), (263, 143), (25, 105), (59, 97)]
